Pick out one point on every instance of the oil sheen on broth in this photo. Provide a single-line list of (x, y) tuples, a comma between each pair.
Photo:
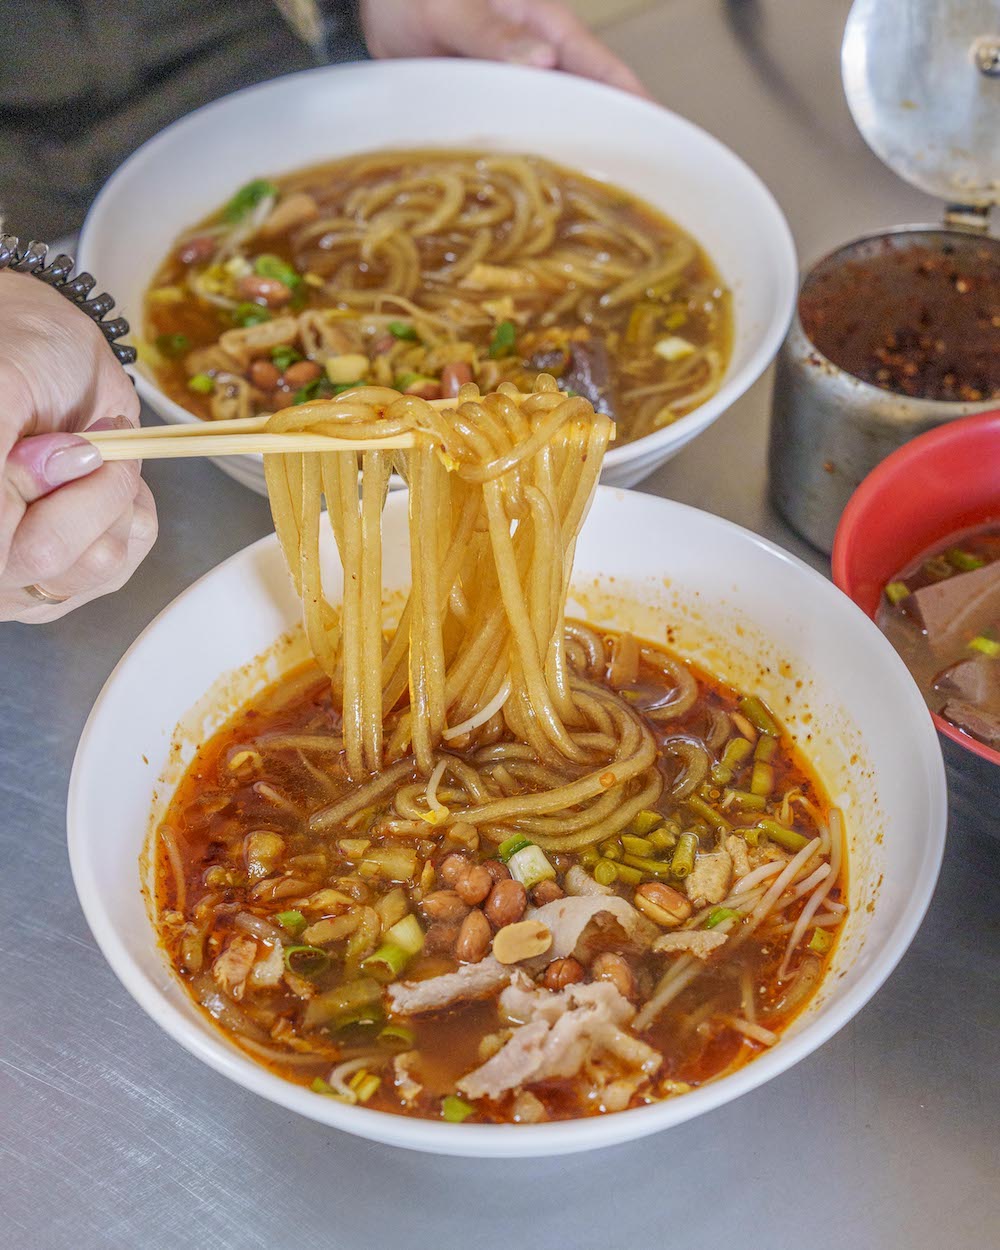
[(282, 934), (423, 270)]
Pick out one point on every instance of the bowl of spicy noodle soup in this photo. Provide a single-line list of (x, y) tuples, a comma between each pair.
[(723, 599), (628, 147)]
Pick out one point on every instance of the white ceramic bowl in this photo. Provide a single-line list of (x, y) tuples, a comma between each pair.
[(194, 165), (741, 607)]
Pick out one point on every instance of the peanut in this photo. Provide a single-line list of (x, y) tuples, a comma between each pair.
[(301, 373), (454, 377), (563, 972), (265, 375), (452, 867), (444, 905), (473, 884), (506, 903), (546, 892), (473, 937), (662, 904), (269, 291), (611, 967), (498, 871), (523, 940)]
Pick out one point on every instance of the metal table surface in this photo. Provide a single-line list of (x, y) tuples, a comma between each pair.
[(112, 1136)]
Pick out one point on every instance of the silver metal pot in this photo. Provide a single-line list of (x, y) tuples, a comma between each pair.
[(922, 78), (829, 429)]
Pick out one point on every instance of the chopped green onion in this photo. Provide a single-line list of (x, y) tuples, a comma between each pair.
[(455, 1109), (589, 857), (364, 1084), (202, 383), (759, 715), (247, 314), (683, 861), (663, 839), (896, 592), (785, 837), (702, 809), (645, 822), (172, 344), (653, 867), (283, 356), (721, 775), (407, 934), (402, 380), (766, 748), (821, 941), (402, 330), (762, 778), (502, 343), (628, 874), (247, 198), (397, 1036), (511, 846), (745, 801), (387, 962), (736, 752), (985, 645), (529, 866), (366, 1018), (606, 872), (293, 921), (718, 914), (310, 391), (319, 1086), (336, 1004), (636, 846), (964, 561), (269, 266), (306, 961)]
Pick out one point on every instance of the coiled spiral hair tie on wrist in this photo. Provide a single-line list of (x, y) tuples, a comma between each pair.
[(30, 258)]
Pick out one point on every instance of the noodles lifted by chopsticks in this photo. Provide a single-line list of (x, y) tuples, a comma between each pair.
[(499, 488)]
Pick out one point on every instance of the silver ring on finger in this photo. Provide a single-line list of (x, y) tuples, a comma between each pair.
[(42, 595)]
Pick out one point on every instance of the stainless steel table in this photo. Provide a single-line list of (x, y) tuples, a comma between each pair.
[(112, 1136)]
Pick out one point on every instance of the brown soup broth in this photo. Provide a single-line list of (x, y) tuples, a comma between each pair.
[(929, 658), (215, 809), (552, 290)]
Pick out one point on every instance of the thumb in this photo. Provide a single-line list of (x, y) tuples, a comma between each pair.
[(484, 36), (40, 464)]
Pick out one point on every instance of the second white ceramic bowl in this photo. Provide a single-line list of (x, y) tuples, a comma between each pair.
[(194, 165), (731, 601)]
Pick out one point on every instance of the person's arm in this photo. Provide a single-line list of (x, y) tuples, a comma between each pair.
[(544, 33), (71, 527)]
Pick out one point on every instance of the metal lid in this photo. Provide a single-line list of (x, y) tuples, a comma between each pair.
[(922, 79)]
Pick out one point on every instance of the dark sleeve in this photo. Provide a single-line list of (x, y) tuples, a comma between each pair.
[(83, 83)]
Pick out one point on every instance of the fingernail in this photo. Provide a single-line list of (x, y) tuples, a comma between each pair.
[(110, 423), (69, 462)]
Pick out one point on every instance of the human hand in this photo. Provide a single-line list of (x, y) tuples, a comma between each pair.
[(69, 524), (543, 33)]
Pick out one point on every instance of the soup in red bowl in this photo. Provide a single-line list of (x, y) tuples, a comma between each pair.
[(914, 549)]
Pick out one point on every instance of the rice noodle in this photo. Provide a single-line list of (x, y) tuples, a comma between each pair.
[(499, 487), (812, 905), (755, 1032)]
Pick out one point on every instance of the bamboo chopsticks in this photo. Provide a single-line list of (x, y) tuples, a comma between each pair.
[(244, 436)]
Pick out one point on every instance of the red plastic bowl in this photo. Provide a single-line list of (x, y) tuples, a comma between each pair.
[(941, 482)]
